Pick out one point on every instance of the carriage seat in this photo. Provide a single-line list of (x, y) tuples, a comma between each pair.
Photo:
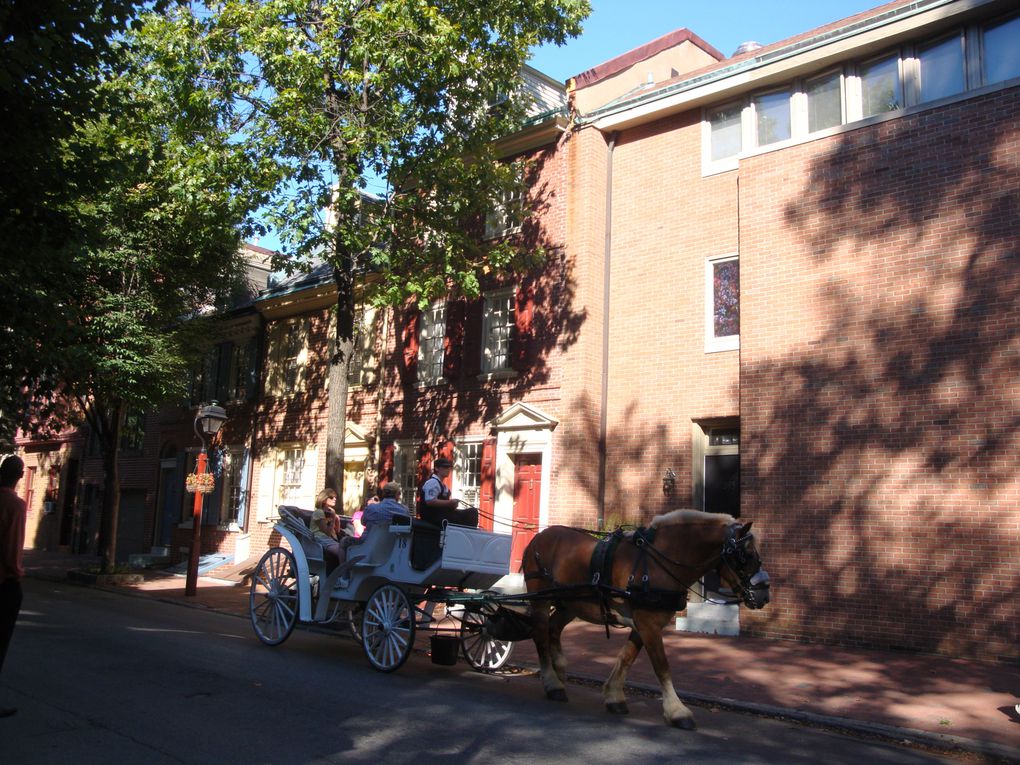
[(425, 547), (299, 520)]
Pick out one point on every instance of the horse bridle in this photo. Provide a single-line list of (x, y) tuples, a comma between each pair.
[(753, 586)]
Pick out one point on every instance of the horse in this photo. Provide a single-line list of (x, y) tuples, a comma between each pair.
[(636, 579)]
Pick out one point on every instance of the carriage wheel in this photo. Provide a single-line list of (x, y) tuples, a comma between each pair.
[(273, 601), (387, 628), (484, 653)]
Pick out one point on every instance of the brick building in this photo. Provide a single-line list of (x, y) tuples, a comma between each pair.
[(779, 284)]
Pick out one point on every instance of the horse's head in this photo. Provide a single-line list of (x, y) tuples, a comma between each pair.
[(740, 566)]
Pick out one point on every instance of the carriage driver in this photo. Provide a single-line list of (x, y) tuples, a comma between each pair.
[(436, 503)]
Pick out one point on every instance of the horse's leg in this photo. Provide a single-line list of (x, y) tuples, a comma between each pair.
[(560, 619), (649, 625), (613, 691), (551, 682)]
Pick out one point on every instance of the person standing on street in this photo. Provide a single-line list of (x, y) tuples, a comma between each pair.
[(12, 543)]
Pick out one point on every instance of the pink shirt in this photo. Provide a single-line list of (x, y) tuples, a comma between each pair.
[(12, 535)]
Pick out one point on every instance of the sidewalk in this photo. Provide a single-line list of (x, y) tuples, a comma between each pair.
[(925, 699)]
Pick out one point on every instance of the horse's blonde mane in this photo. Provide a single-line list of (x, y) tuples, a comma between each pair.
[(689, 516)]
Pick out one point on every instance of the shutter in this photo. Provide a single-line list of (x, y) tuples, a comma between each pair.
[(212, 502), (267, 479), (424, 465), (226, 356), (448, 449), (242, 495), (524, 311), (487, 485), (453, 342), (302, 359), (471, 353), (251, 377), (274, 369), (409, 343), (386, 469)]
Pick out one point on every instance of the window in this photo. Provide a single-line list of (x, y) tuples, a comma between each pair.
[(824, 101), (469, 470), (132, 432), (941, 68), (227, 373), (880, 86), (1001, 54), (725, 127), (232, 486), (405, 470), (431, 336), (293, 470), (505, 218), (288, 357), (242, 370), (722, 304), (287, 475), (497, 329), (772, 117)]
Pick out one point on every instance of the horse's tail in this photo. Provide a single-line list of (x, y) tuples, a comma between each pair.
[(527, 552)]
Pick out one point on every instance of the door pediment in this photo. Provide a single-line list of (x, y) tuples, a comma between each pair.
[(521, 416)]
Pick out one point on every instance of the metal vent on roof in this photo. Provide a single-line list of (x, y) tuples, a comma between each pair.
[(747, 47)]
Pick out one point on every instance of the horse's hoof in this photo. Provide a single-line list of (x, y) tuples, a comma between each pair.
[(557, 694), (683, 723), (617, 708)]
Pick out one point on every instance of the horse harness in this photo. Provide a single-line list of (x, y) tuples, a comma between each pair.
[(734, 554)]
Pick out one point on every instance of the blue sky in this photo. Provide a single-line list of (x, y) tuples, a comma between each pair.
[(617, 26)]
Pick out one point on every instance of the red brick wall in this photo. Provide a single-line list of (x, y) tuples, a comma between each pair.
[(879, 379)]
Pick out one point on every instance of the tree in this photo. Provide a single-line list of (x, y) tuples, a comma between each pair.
[(53, 55), (158, 240), (408, 94)]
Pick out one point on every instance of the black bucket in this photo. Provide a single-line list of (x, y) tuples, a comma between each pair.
[(444, 649)]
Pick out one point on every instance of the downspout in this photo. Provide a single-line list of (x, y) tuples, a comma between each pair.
[(606, 271)]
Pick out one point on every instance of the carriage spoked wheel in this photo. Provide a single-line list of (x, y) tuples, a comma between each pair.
[(387, 628), (484, 653), (273, 601)]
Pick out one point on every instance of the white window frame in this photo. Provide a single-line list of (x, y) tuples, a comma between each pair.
[(288, 372), (729, 162), (467, 481), (789, 90), (431, 342), (233, 460), (504, 218), (715, 344), (272, 479), (494, 305)]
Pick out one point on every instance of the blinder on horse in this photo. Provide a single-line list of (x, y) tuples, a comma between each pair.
[(742, 559)]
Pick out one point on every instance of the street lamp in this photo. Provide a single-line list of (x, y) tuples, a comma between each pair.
[(207, 423)]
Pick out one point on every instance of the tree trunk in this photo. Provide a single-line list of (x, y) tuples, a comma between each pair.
[(339, 368), (109, 441)]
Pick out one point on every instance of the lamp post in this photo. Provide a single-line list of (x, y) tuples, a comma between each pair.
[(207, 423)]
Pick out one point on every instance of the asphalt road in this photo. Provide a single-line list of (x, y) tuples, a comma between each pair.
[(101, 677)]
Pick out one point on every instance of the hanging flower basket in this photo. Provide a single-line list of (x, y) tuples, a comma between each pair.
[(200, 483)]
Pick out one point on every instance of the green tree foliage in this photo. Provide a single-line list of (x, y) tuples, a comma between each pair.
[(409, 94)]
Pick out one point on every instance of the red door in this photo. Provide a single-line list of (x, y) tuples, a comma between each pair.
[(527, 491)]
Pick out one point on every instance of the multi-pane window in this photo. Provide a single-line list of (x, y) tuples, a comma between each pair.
[(497, 330), (232, 487), (242, 370), (1001, 54), (405, 470), (923, 71), (469, 470), (431, 336), (880, 86), (505, 217), (288, 357), (293, 470), (772, 117), (941, 69), (824, 101), (292, 346), (132, 432), (722, 303), (726, 131), (227, 373)]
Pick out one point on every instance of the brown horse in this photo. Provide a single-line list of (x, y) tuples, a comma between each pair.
[(637, 579)]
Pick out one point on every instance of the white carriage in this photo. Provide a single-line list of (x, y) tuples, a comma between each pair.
[(394, 577)]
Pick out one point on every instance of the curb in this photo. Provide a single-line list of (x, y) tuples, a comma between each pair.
[(890, 733)]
